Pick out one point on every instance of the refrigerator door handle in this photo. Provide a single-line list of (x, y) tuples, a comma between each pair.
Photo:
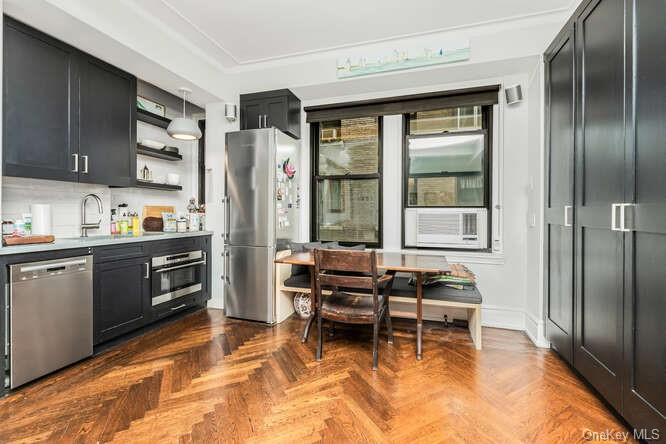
[(227, 218), (227, 255)]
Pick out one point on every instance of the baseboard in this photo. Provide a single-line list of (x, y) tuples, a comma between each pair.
[(502, 317), (536, 330)]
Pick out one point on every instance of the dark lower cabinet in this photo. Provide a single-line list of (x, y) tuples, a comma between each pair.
[(619, 217), (122, 296)]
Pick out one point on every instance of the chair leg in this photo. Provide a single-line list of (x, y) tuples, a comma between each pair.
[(375, 344), (320, 338), (389, 327)]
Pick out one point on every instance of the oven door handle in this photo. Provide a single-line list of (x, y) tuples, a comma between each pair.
[(162, 270)]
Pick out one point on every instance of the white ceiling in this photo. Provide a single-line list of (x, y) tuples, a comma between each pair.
[(255, 30)]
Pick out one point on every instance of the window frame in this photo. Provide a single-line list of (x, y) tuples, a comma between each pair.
[(315, 178), (487, 130)]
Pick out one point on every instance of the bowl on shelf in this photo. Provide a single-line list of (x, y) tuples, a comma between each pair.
[(152, 144), (173, 179)]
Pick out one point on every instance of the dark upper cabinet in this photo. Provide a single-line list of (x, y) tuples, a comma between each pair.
[(67, 116), (39, 100), (559, 215), (122, 296), (280, 109), (107, 120)]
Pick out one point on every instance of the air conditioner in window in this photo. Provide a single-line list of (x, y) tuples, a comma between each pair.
[(446, 228)]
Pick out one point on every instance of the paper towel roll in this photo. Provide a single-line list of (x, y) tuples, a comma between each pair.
[(41, 219)]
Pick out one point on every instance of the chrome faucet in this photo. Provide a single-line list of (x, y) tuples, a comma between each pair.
[(89, 226)]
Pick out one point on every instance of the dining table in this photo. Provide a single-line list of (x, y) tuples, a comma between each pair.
[(390, 263)]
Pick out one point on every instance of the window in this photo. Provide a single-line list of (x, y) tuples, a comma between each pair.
[(346, 203), (447, 158)]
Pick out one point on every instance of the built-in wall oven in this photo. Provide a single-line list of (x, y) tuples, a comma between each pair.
[(177, 275)]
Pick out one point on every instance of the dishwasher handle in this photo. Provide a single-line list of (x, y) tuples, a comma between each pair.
[(42, 267)]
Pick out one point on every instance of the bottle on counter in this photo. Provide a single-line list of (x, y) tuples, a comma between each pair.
[(136, 224), (114, 221)]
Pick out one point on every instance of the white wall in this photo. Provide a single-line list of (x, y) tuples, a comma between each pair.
[(216, 128), (534, 307)]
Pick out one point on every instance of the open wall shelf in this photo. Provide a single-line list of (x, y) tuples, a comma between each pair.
[(157, 153), (152, 119), (157, 186)]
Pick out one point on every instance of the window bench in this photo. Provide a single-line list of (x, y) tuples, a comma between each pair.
[(286, 286)]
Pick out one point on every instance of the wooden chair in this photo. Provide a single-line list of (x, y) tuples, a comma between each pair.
[(344, 271)]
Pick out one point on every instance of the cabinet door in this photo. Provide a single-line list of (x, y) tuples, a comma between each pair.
[(107, 117), (644, 394), (277, 109), (39, 105), (122, 297), (560, 80), (599, 184), (252, 114)]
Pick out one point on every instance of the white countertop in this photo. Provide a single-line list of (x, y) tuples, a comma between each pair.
[(96, 241)]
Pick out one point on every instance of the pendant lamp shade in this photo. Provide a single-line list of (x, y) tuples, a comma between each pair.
[(183, 128)]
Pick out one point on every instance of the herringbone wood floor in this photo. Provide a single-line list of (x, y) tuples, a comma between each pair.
[(206, 378)]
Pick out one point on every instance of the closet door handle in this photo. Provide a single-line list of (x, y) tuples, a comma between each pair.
[(567, 209), (614, 225)]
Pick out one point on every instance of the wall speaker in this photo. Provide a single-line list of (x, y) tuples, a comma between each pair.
[(230, 111), (513, 94)]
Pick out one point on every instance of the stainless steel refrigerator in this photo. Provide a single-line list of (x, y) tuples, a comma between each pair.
[(262, 203)]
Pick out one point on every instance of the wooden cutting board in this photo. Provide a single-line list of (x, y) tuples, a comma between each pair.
[(157, 210), (24, 240)]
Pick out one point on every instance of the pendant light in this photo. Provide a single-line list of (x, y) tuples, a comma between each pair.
[(181, 127)]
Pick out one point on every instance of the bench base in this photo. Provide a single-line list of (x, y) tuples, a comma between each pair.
[(283, 271)]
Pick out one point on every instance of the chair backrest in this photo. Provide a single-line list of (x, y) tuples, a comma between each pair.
[(346, 268)]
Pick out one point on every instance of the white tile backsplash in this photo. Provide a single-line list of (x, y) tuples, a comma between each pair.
[(65, 197)]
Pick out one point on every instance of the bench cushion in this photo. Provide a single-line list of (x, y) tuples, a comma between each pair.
[(298, 281), (401, 287), (470, 295)]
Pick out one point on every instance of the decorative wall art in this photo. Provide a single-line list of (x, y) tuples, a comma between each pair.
[(406, 58)]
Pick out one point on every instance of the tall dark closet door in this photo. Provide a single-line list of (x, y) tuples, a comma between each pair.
[(600, 170), (560, 81), (644, 393)]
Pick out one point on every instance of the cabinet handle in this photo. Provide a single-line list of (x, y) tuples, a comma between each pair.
[(265, 120), (567, 208), (147, 275), (259, 120), (178, 307), (85, 164), (76, 163), (623, 221)]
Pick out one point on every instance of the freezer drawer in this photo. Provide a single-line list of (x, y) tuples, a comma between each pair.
[(249, 292)]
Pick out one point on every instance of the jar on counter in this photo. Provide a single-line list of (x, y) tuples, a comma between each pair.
[(181, 225), (7, 227)]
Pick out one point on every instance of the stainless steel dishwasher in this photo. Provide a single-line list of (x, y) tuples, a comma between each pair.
[(50, 316)]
